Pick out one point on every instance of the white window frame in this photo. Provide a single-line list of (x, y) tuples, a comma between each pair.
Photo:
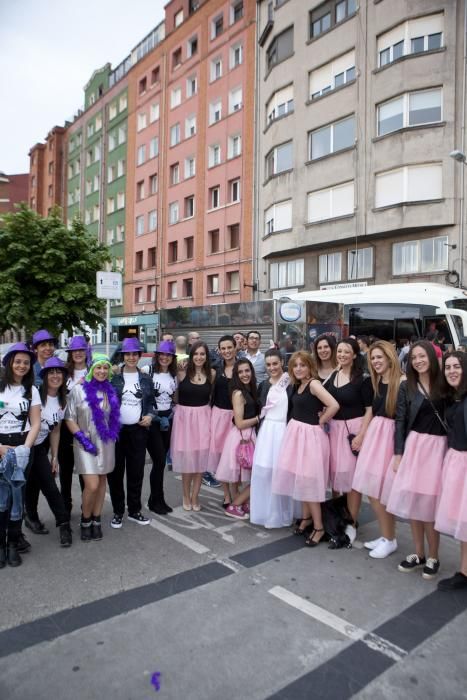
[(190, 167), (175, 134), (279, 210), (235, 192), (235, 100), (341, 65), (175, 97), (400, 182), (154, 112), (139, 225), (141, 154), (236, 50), (280, 104), (271, 159), (191, 86), (215, 111), (174, 213), (287, 273), (416, 247), (215, 72), (234, 147), (154, 147), (332, 128), (360, 263), (152, 220), (190, 126), (405, 100), (403, 32), (330, 268), (330, 194), (142, 121), (214, 155), (215, 197)]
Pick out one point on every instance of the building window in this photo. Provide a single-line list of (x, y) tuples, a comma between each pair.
[(109, 236), (141, 154), (425, 255), (331, 202), (120, 200), (178, 19), (360, 263), (236, 56), (236, 11), (234, 190), (154, 147), (121, 135), (192, 47), (289, 273), (173, 213), (213, 284), (214, 156), (173, 252), (111, 172), (153, 184), (122, 103), (155, 75), (112, 140), (152, 220), (151, 293), (138, 295), (120, 233), (139, 225), (235, 100), (280, 159), (280, 48), (213, 237), (330, 267), (189, 247), (332, 138), (121, 167), (175, 134), (95, 212), (175, 97), (154, 112), (174, 174), (191, 86), (233, 281), (216, 69), (172, 290), (142, 85), (332, 75), (188, 287), (234, 146), (217, 26), (190, 126), (140, 190), (410, 109), (329, 14), (280, 104), (190, 167), (110, 205), (151, 257), (214, 197), (215, 111), (139, 261), (412, 183), (189, 206), (278, 217), (233, 236), (112, 111), (177, 58), (411, 37), (142, 121)]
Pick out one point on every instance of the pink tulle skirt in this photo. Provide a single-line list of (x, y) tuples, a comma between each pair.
[(302, 470), (221, 422), (189, 442), (228, 469), (451, 516), (342, 461), (417, 484), (375, 457)]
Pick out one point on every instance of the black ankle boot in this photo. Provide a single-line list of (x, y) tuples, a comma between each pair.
[(85, 527), (158, 507), (3, 556), (65, 535), (96, 528), (167, 507), (13, 556)]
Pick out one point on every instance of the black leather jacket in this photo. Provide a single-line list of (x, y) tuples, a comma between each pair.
[(408, 405)]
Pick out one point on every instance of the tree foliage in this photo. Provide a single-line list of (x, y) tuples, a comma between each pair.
[(48, 273)]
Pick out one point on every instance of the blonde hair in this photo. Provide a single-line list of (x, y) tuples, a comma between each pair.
[(308, 360), (395, 374)]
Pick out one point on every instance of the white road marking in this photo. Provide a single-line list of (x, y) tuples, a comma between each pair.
[(179, 537), (337, 623)]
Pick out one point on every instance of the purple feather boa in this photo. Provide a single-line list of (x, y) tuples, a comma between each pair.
[(107, 430)]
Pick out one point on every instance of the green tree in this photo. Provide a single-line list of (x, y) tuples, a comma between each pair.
[(48, 273)]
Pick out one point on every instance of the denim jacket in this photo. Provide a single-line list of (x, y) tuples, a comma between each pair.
[(147, 389), (12, 480)]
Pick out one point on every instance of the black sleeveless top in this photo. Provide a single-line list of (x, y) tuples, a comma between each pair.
[(220, 393), (190, 394), (252, 407), (379, 401), (305, 407), (353, 398)]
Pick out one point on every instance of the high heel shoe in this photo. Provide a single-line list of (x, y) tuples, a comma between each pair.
[(186, 506), (310, 542), (302, 530)]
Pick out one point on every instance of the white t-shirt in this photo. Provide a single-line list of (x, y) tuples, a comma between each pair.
[(78, 374), (132, 398), (51, 415), (14, 409), (164, 389)]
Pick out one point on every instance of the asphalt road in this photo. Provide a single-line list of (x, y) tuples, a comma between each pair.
[(198, 606)]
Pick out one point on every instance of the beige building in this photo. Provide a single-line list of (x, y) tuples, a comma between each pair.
[(359, 105)]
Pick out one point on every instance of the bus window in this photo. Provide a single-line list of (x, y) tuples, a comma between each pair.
[(440, 325), (406, 328), (361, 324)]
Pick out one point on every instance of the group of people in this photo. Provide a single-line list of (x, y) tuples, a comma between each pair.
[(276, 440)]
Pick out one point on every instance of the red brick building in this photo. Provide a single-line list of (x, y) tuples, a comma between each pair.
[(13, 190)]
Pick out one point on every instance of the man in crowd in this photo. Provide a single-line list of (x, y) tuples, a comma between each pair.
[(255, 356), (240, 344), (43, 344)]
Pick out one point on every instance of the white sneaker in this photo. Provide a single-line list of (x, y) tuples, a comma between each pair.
[(373, 543), (351, 533), (384, 549)]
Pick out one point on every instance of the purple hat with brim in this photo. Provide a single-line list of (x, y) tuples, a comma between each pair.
[(167, 347), (131, 345), (78, 342), (41, 337), (50, 364), (18, 347)]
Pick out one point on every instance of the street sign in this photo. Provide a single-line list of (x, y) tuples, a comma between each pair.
[(109, 285)]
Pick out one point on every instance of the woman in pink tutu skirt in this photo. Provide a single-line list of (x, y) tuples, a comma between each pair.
[(189, 443), (451, 515), (222, 411), (373, 475), (302, 470), (246, 409), (353, 392), (420, 446)]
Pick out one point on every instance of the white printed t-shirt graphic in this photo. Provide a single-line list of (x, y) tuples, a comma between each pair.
[(51, 415), (130, 409), (13, 408)]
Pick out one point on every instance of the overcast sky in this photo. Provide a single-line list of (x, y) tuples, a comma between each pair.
[(48, 51)]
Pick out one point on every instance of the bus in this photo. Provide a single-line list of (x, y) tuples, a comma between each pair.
[(399, 311)]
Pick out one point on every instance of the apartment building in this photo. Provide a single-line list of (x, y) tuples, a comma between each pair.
[(359, 105), (46, 173), (13, 190)]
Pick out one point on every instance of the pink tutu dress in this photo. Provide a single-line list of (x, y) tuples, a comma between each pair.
[(302, 470), (189, 443), (228, 469), (221, 420)]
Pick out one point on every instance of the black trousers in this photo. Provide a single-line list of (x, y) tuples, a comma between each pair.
[(130, 455), (158, 446), (66, 460), (40, 478)]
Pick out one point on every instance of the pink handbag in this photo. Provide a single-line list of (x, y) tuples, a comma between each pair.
[(245, 451)]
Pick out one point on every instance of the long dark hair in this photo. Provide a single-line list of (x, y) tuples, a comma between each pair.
[(461, 391), (8, 377), (70, 364), (237, 385), (190, 370), (357, 365), (156, 368), (434, 372), (61, 394), (331, 341)]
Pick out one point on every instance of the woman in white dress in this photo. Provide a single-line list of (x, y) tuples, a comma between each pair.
[(266, 508)]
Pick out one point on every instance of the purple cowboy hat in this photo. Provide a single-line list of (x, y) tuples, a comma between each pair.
[(18, 347), (41, 337), (78, 342), (131, 345), (50, 364), (167, 347)]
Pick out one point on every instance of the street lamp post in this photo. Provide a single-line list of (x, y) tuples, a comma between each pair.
[(459, 156)]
